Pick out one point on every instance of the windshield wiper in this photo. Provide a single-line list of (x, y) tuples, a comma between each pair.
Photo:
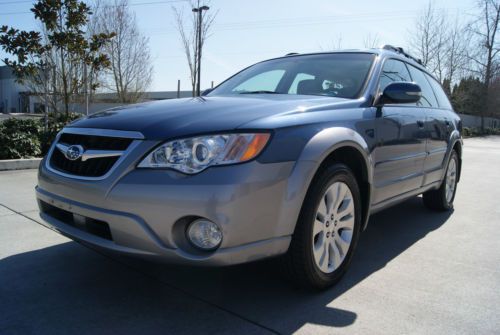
[(260, 92)]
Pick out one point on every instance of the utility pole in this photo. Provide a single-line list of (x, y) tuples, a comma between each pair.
[(199, 10)]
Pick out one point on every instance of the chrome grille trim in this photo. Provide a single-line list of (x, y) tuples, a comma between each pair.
[(104, 132)]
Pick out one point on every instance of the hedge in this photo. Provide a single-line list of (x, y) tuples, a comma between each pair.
[(26, 138), (473, 132)]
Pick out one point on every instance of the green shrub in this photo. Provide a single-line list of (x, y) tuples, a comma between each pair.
[(25, 138), (466, 131), (55, 124), (19, 138), (476, 131)]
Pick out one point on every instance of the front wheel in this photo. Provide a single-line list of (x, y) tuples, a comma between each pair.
[(442, 198), (327, 230)]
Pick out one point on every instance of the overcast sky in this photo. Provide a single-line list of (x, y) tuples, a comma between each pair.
[(246, 32)]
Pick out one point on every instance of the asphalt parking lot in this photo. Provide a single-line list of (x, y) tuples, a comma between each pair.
[(415, 272)]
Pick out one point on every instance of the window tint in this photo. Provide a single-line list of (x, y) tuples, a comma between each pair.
[(298, 78), (265, 81), (339, 75), (428, 98), (442, 98), (393, 70)]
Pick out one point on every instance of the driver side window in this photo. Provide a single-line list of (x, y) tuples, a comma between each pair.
[(392, 71)]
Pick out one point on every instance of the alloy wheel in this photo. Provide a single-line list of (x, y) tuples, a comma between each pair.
[(333, 227), (451, 178)]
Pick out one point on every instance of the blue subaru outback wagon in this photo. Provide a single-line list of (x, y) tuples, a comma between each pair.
[(287, 158)]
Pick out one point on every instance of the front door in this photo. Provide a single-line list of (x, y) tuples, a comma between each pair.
[(400, 152)]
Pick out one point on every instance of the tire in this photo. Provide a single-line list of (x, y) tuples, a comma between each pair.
[(302, 263), (442, 198)]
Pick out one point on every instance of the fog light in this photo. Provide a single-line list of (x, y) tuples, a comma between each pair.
[(204, 234)]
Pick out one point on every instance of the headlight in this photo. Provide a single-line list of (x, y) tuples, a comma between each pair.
[(192, 155)]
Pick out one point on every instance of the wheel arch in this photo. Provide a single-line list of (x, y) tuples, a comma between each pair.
[(457, 146), (455, 143), (346, 146)]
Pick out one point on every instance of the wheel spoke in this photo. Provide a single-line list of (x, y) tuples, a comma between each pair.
[(335, 255), (330, 196), (341, 194), (318, 227), (346, 222), (346, 209), (323, 261), (343, 240), (322, 211)]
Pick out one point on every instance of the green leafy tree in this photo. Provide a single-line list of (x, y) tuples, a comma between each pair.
[(467, 96), (56, 61)]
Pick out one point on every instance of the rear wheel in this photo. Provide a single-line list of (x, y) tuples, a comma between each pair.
[(327, 231), (442, 198)]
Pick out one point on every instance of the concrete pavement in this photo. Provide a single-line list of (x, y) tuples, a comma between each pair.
[(415, 272)]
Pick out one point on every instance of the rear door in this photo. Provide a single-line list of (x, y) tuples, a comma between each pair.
[(440, 127), (401, 139)]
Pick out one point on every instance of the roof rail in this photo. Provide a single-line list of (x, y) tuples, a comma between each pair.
[(400, 50), (292, 53)]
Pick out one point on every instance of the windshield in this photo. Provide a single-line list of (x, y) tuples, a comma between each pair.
[(335, 75)]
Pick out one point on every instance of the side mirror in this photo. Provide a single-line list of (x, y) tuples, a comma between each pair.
[(400, 93), (205, 92)]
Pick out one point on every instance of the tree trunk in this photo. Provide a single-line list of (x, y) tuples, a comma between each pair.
[(64, 76)]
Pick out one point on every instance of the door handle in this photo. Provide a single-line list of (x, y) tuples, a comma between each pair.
[(420, 123)]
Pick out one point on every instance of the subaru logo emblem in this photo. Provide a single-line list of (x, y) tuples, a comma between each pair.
[(74, 152)]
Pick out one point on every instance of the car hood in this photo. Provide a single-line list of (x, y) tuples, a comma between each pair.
[(166, 119)]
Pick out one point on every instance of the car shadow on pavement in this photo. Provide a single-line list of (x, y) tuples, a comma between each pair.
[(70, 286)]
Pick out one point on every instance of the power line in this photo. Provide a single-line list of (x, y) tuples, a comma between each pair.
[(305, 21), (14, 2), (130, 4)]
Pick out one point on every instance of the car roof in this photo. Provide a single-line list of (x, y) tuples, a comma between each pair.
[(381, 52)]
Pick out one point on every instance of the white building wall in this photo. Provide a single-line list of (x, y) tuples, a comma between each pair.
[(9, 95)]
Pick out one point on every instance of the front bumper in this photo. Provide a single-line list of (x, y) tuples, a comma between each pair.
[(147, 211)]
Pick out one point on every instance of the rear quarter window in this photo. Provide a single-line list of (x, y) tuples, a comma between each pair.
[(428, 98), (442, 98)]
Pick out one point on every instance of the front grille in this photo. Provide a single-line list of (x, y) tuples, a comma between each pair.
[(96, 142), (92, 226), (96, 167)]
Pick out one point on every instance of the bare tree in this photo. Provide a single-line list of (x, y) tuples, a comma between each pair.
[(456, 51), (484, 55), (440, 43), (187, 25), (371, 41), (335, 44), (427, 38), (131, 69)]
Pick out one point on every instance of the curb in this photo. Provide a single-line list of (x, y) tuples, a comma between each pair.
[(19, 164)]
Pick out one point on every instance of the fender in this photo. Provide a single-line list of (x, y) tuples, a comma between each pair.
[(453, 139), (318, 148)]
